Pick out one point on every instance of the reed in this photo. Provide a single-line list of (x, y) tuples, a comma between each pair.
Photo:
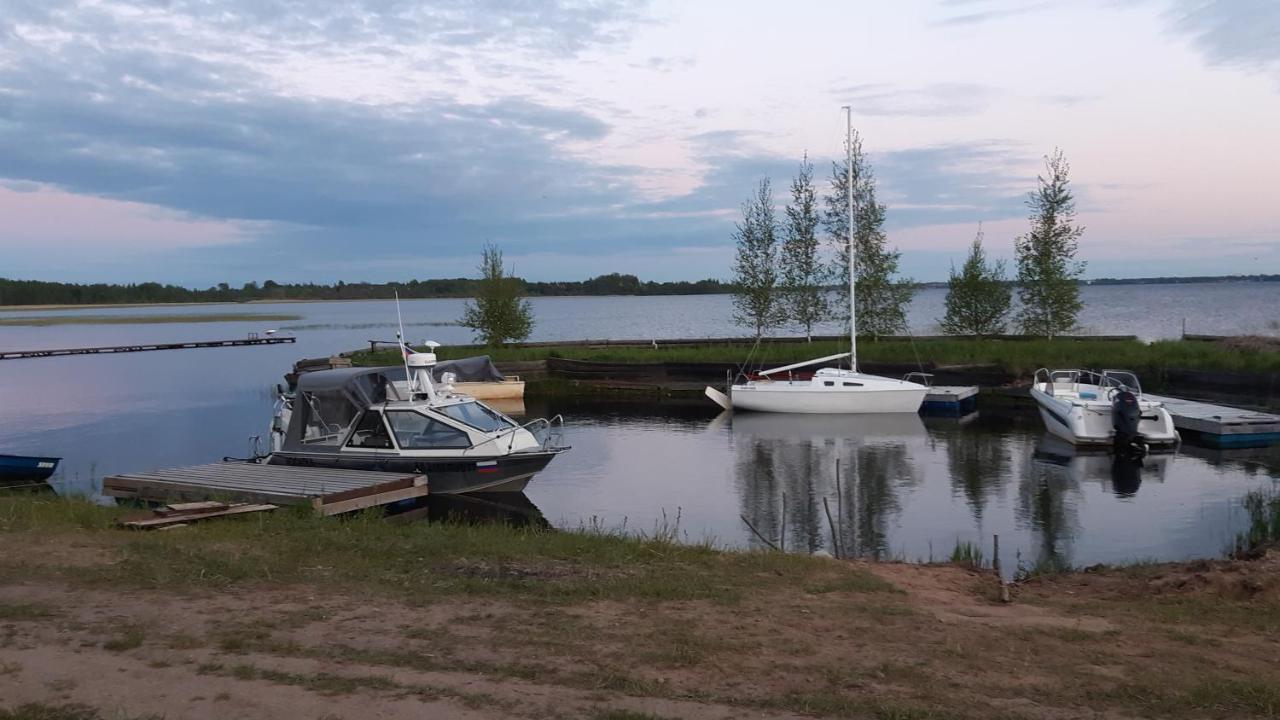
[(1263, 508), (968, 554)]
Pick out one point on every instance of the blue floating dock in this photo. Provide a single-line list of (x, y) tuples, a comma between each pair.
[(1220, 426), (950, 400)]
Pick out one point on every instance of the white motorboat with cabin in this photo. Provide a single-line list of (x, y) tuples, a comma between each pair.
[(1107, 408), (829, 390), (400, 419)]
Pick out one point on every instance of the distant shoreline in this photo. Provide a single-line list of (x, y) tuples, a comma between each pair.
[(1207, 280)]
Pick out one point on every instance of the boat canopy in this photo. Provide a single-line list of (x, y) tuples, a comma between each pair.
[(472, 369), (329, 402)]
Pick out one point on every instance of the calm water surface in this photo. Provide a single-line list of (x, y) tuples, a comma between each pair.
[(910, 488)]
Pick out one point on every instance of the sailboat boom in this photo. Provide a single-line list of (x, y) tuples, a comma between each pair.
[(793, 366)]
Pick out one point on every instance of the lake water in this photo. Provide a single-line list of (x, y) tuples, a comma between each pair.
[(911, 488)]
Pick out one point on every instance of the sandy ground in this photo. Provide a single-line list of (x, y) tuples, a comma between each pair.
[(1088, 645)]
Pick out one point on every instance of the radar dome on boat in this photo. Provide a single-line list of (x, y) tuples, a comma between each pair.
[(421, 360)]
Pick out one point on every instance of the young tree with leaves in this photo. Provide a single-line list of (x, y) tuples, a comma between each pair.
[(756, 300), (498, 313), (881, 299), (978, 296), (802, 270), (1047, 268)]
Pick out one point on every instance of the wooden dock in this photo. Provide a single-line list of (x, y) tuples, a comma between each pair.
[(329, 491), (950, 400), (1221, 426), (146, 347)]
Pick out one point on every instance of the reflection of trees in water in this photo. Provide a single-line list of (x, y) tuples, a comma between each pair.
[(1048, 498), (804, 469), (978, 467)]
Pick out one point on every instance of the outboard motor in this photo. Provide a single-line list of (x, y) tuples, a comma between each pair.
[(1125, 414)]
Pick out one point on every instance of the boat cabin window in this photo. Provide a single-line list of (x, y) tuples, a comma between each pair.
[(419, 432), (829, 383), (371, 432), (851, 384), (328, 415), (476, 415)]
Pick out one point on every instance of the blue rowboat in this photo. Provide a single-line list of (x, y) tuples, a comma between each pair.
[(27, 467)]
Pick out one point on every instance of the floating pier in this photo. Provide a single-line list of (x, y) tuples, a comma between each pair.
[(950, 400), (146, 347), (1220, 426), (329, 491)]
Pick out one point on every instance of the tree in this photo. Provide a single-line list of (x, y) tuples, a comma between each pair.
[(498, 314), (978, 296), (881, 299), (755, 272), (803, 273), (1047, 268)]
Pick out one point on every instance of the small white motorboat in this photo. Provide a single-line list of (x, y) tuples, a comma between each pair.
[(1088, 408)]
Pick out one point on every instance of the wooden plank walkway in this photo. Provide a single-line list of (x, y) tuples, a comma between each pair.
[(328, 490), (146, 347), (950, 400), (1219, 425)]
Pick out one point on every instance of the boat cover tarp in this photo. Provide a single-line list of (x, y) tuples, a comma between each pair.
[(472, 369), (365, 385)]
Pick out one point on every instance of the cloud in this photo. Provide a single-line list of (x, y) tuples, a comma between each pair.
[(1239, 33), (988, 11), (937, 99)]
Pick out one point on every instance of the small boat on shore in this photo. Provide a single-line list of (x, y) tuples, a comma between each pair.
[(400, 419), (1107, 408), (26, 468), (478, 378)]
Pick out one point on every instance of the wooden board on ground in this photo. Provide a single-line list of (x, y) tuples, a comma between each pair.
[(328, 490), (171, 520)]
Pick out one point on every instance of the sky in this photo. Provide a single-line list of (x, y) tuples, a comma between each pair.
[(206, 141)]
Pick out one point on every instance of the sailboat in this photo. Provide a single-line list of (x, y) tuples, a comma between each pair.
[(830, 390)]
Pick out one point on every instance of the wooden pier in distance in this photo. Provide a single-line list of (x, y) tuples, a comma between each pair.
[(1220, 426), (950, 400), (145, 347), (328, 490)]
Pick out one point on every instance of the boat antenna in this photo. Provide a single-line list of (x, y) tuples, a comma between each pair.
[(404, 349), (853, 280)]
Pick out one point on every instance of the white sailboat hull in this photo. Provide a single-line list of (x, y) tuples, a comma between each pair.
[(849, 393)]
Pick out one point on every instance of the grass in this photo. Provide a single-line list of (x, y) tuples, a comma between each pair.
[(419, 560), (128, 638), (1018, 357), (1264, 523), (25, 611), (52, 320), (968, 554)]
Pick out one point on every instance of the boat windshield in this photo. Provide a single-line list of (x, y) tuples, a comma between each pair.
[(476, 415)]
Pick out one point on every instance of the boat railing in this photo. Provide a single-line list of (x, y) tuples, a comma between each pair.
[(545, 423), (1108, 380), (926, 379)]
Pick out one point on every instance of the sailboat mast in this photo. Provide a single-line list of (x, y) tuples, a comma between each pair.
[(853, 280)]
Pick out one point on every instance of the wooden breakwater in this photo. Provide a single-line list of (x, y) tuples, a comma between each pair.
[(143, 347)]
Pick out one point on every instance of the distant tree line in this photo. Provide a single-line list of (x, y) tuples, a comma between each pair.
[(36, 292)]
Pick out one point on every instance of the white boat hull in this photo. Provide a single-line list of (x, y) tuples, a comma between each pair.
[(1090, 422), (498, 390), (851, 393)]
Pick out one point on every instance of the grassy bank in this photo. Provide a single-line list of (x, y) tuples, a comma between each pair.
[(292, 616), (50, 320), (1020, 358)]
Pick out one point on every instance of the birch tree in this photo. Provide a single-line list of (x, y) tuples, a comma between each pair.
[(1047, 269), (803, 272), (978, 296), (756, 301), (498, 314), (881, 297)]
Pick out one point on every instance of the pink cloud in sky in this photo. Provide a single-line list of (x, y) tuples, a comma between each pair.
[(39, 216)]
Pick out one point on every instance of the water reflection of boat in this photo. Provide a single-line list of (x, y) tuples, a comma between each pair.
[(1124, 475), (794, 456), (512, 509)]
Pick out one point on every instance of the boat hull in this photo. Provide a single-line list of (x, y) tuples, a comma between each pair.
[(803, 400), (1091, 423), (27, 467), (504, 390), (449, 476)]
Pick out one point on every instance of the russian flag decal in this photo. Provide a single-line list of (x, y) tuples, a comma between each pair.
[(487, 466)]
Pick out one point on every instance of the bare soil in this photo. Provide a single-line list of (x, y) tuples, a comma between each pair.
[(1194, 640)]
